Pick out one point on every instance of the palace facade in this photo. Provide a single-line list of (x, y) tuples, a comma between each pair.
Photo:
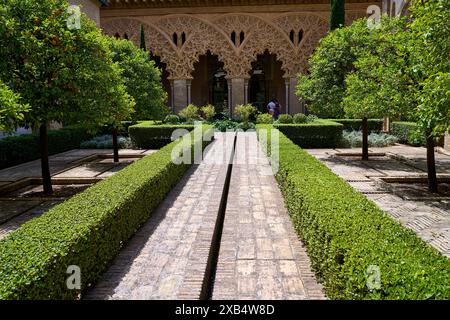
[(227, 52)]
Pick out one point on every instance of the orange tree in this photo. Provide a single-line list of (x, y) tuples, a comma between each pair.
[(62, 69), (11, 110)]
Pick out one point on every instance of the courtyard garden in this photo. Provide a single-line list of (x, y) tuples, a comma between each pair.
[(114, 195)]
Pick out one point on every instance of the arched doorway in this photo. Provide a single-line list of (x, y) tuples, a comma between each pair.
[(164, 76), (209, 85), (266, 82)]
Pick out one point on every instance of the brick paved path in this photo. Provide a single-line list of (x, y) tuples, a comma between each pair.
[(167, 258), (417, 210), (260, 255)]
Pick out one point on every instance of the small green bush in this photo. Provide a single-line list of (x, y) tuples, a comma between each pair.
[(147, 135), (353, 139), (190, 113), (19, 149), (245, 111), (87, 230), (375, 125), (106, 142), (264, 118), (346, 233), (226, 125), (407, 132), (172, 119), (208, 112), (244, 126), (300, 118), (285, 119), (319, 134)]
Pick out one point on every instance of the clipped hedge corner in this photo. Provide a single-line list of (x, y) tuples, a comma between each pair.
[(148, 135), (87, 230), (345, 234), (318, 134)]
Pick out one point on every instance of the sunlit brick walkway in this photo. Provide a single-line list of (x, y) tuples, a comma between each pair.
[(260, 254), (167, 258)]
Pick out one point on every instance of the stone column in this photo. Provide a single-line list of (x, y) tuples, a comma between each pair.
[(245, 91), (294, 103), (171, 103), (287, 83), (189, 92), (447, 142), (180, 94), (238, 92)]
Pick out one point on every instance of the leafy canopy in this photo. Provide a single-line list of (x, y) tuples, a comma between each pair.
[(64, 74), (334, 58), (11, 110), (142, 80)]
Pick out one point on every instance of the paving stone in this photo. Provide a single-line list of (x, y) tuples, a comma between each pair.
[(271, 262), (167, 258), (412, 206)]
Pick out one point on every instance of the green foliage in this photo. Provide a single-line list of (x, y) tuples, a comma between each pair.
[(319, 134), (408, 132), (300, 118), (142, 80), (345, 233), (106, 142), (65, 75), (172, 119), (375, 125), (380, 84), (11, 110), (190, 113), (208, 112), (244, 112), (264, 118), (285, 118), (226, 125), (19, 149), (244, 126), (353, 139), (87, 230), (324, 87), (337, 18), (147, 135), (429, 48)]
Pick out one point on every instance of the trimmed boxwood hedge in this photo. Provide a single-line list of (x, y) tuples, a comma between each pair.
[(87, 230), (345, 233), (148, 135), (19, 149), (406, 133), (318, 134), (375, 125)]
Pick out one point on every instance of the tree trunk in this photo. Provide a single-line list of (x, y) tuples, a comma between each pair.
[(432, 178), (365, 142), (46, 178), (115, 145)]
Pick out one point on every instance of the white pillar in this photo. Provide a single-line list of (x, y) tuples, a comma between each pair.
[(189, 94), (245, 91), (287, 84), (180, 94)]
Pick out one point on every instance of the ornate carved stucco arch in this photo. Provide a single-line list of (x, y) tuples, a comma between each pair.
[(201, 37), (314, 28), (157, 41)]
